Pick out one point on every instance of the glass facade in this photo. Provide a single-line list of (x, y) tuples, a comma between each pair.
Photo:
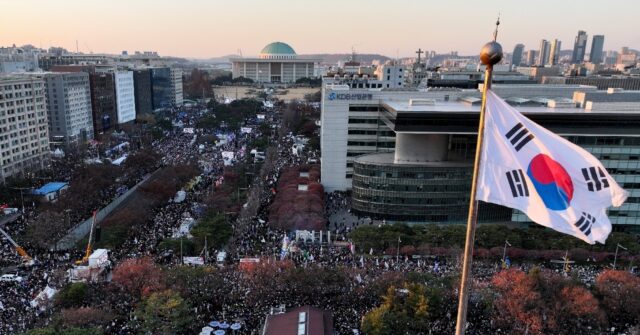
[(161, 87), (439, 194), (142, 88), (432, 193)]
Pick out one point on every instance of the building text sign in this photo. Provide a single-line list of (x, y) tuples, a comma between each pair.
[(350, 96)]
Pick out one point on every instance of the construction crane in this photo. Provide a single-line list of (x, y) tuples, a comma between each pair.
[(25, 257), (89, 250)]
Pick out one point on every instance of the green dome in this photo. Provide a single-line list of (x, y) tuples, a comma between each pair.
[(277, 48)]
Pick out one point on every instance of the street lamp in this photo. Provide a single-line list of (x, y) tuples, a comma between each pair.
[(398, 250), (21, 196), (615, 258), (504, 250)]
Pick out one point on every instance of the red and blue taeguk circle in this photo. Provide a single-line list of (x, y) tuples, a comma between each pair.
[(552, 182)]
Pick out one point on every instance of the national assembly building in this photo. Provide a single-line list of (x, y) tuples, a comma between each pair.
[(407, 154), (277, 63)]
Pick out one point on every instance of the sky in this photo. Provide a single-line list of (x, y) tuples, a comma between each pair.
[(212, 28)]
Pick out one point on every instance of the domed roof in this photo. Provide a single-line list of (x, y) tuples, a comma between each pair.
[(277, 48)]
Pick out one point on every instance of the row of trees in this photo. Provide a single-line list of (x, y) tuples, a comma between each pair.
[(138, 209), (512, 302), (232, 114), (161, 299), (298, 209), (198, 83), (299, 118), (530, 243), (509, 302), (91, 188)]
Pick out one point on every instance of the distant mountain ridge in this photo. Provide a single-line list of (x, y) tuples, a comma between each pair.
[(335, 58)]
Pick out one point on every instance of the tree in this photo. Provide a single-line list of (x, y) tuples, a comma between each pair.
[(72, 295), (85, 316), (165, 312), (139, 276), (214, 228), (142, 161), (313, 97), (619, 292), (404, 311), (543, 303), (197, 83), (64, 331), (190, 282), (47, 229)]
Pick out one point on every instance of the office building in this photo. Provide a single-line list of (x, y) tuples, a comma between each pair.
[(579, 48), (24, 133), (13, 59), (531, 57), (611, 97), (162, 88), (112, 94), (351, 126), (392, 74), (554, 52), (408, 154), (626, 57), (543, 53), (176, 87), (69, 107), (48, 61), (516, 57), (125, 97), (277, 63), (630, 83), (103, 101), (597, 47), (537, 72), (142, 91)]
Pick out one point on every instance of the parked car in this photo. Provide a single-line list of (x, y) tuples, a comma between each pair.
[(9, 210), (11, 277)]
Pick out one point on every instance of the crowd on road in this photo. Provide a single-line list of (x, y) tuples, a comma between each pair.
[(252, 237)]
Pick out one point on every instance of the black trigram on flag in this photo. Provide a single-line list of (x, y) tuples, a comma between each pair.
[(517, 183), (585, 222), (595, 178), (519, 136)]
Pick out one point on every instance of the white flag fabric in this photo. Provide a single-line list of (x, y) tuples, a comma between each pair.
[(554, 182)]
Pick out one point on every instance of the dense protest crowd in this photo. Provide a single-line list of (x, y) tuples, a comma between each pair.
[(246, 295)]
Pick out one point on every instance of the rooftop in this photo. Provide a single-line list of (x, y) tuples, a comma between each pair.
[(464, 106), (306, 320), (387, 158), (278, 48), (50, 187)]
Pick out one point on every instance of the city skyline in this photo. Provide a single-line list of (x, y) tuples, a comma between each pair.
[(200, 29)]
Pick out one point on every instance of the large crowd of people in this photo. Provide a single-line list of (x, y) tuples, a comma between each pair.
[(252, 237)]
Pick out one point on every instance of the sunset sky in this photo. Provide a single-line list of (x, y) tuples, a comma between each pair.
[(210, 28)]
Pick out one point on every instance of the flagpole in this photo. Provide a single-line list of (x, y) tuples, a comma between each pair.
[(490, 55)]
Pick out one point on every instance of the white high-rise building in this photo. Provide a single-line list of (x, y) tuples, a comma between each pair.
[(69, 106), (176, 87), (24, 136), (554, 53), (125, 96), (391, 74)]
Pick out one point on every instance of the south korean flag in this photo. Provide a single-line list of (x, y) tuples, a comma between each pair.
[(553, 181)]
